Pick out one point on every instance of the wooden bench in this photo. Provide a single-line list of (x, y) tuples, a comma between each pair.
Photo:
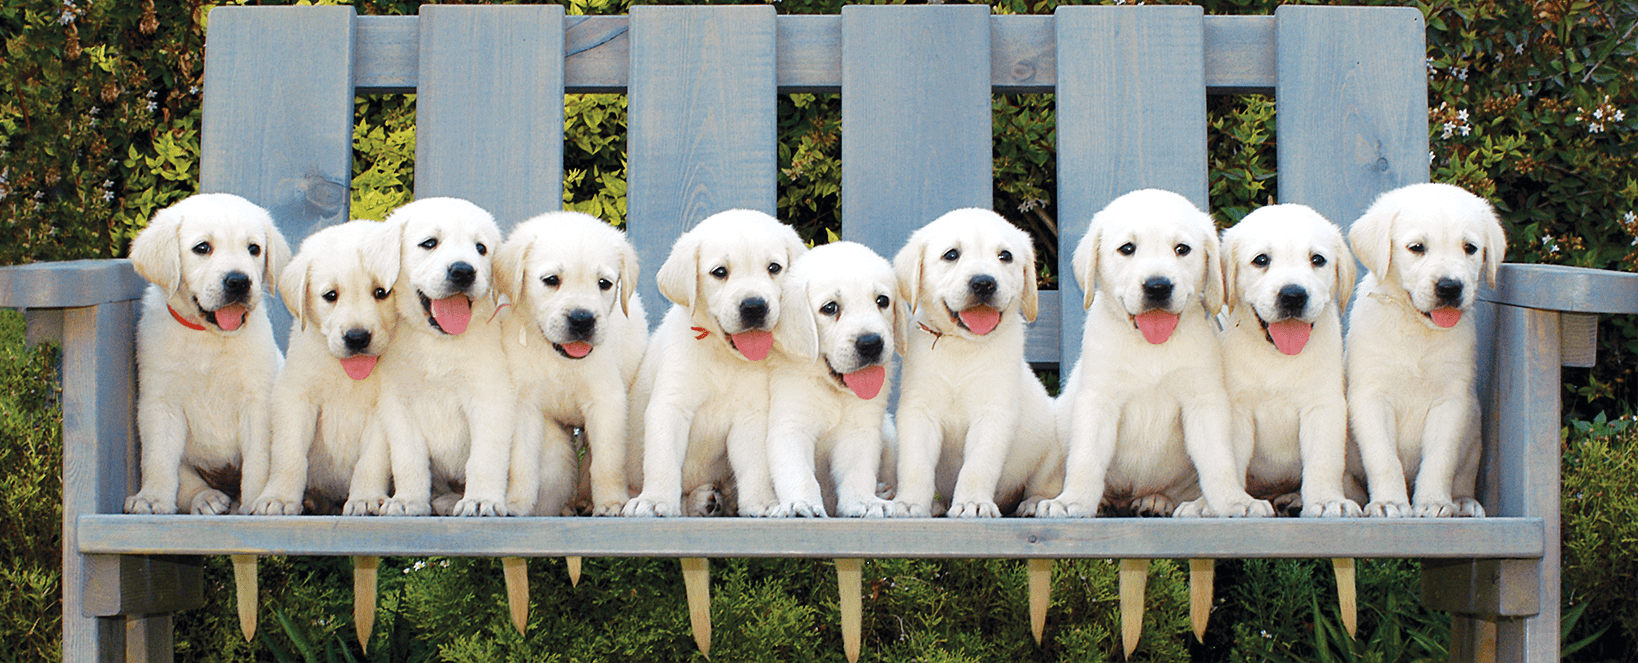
[(916, 84)]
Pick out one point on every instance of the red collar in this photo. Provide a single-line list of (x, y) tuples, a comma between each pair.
[(185, 323), (703, 332), (936, 334)]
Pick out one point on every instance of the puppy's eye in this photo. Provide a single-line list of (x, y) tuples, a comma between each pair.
[(774, 269), (1417, 248), (1006, 256), (1470, 248), (1182, 249), (1260, 261), (202, 249), (952, 255), (330, 296), (830, 308), (550, 281), (1318, 260), (882, 301), (429, 243), (483, 250), (380, 293), (604, 284), (256, 250), (1127, 249), (720, 272)]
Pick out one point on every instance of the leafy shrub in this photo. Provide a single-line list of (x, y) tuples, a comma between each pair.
[(1600, 525), (31, 429)]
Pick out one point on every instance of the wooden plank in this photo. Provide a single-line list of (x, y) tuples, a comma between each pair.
[(1240, 54), (1508, 538), (1023, 54), (489, 108), (69, 284), (1562, 288), (1041, 347), (915, 118), (387, 54), (702, 133), (596, 53), (810, 53), (1351, 105), (1488, 588), (1111, 61), (135, 585)]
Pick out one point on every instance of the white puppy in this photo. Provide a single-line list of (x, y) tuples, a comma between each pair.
[(1289, 275), (1410, 350), (1144, 410), (447, 400), (573, 338), (205, 353), (827, 409), (974, 423), (700, 404), (329, 450)]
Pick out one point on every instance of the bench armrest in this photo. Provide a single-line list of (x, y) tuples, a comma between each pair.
[(71, 284), (1565, 289)]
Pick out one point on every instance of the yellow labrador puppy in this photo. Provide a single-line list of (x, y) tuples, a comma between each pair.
[(574, 338), (700, 403), (447, 400), (974, 423), (206, 358), (828, 408), (329, 453), (1412, 407), (1289, 274), (1144, 410)]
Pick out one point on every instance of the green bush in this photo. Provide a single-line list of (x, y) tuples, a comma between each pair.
[(31, 431)]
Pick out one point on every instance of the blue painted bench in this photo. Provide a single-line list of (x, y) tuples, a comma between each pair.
[(916, 84)]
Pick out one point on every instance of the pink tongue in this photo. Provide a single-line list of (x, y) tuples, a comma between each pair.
[(1289, 335), (1446, 317), (577, 350), (981, 319), (1157, 326), (231, 316), (358, 367), (452, 313), (754, 344), (866, 382)]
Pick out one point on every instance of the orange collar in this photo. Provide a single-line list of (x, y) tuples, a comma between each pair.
[(185, 323), (936, 334)]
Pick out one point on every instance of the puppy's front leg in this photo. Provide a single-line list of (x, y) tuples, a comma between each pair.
[(523, 487), (1373, 423), (665, 443), (791, 440), (606, 440), (1222, 479), (293, 431), (255, 435), (1442, 438), (371, 476), (411, 462), (1322, 433), (855, 463), (491, 414), (748, 456), (164, 431), (989, 439), (920, 441)]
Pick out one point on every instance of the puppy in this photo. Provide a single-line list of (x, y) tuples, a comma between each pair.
[(700, 404), (1289, 274), (1144, 410), (974, 423), (447, 400), (205, 353), (827, 408), (573, 337), (1410, 349), (329, 450)]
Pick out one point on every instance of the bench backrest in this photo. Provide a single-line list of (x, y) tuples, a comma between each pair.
[(916, 85)]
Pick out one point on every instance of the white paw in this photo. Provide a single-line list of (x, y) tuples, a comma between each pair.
[(364, 506), (1467, 507), (706, 501), (1156, 506), (522, 507), (642, 507), (1249, 508), (273, 506), (475, 507), (1064, 509), (974, 510), (1385, 509), (607, 509), (1193, 509), (865, 508), (908, 510), (799, 509), (211, 503), (1344, 508), (444, 505), (140, 503), (402, 507), (1026, 508)]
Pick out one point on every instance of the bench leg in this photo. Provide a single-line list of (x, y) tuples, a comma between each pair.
[(1202, 582), (1134, 579), (517, 590), (148, 639), (697, 581), (850, 598), (1040, 594)]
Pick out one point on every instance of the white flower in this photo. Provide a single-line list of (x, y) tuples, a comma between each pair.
[(1546, 239), (108, 195), (1430, 157), (1519, 49), (1630, 217), (1461, 115), (95, 110), (1449, 129), (152, 106), (1461, 74), (107, 184), (1598, 113), (1595, 127), (66, 18), (1619, 116), (1466, 130), (193, 90), (39, 195), (153, 93)]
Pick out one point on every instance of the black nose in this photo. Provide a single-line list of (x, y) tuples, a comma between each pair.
[(237, 284), (982, 286), (869, 347), (581, 323), (1292, 300), (1157, 290), (356, 339), (462, 274), (753, 311), (1448, 289)]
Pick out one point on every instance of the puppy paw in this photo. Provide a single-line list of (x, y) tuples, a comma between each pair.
[(1344, 508), (799, 509), (1026, 508), (1467, 507), (642, 507), (1157, 506), (211, 503), (140, 503), (1193, 509), (706, 501), (908, 510), (974, 510), (1289, 504), (474, 507), (865, 508), (273, 506), (364, 506), (1064, 509), (607, 509), (763, 510), (402, 507), (444, 504), (1385, 509), (886, 492)]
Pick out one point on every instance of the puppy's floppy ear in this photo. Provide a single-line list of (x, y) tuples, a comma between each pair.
[(628, 275), (292, 287), (1371, 238), (1085, 262), (381, 252), (1212, 294), (679, 275), (901, 325), (156, 253), (1231, 269), (797, 332), (510, 264), (1346, 271), (275, 255), (1032, 295), (1495, 245), (907, 270)]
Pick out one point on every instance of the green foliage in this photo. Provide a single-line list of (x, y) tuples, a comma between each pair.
[(1286, 610), (383, 155), (1600, 524), (30, 494)]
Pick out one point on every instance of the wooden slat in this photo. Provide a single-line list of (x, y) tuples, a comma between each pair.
[(1351, 105), (1508, 538), (127, 585), (71, 283), (1561, 288), (489, 110), (702, 135), (597, 53), (915, 118), (1131, 111), (1023, 54), (810, 53), (1240, 54)]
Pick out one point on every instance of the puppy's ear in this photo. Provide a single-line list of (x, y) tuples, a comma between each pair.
[(381, 252), (1371, 238), (1032, 294), (907, 270), (797, 332), (510, 263), (292, 287), (901, 325), (1085, 263), (1212, 294), (628, 276), (1346, 271), (1495, 246), (156, 253), (1231, 270), (679, 275), (275, 255)]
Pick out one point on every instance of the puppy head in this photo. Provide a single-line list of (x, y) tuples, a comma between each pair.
[(1156, 255), (211, 253), (569, 272), (341, 285), (729, 271), (858, 321), (445, 251), (1430, 244), (968, 269), (1287, 265)]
